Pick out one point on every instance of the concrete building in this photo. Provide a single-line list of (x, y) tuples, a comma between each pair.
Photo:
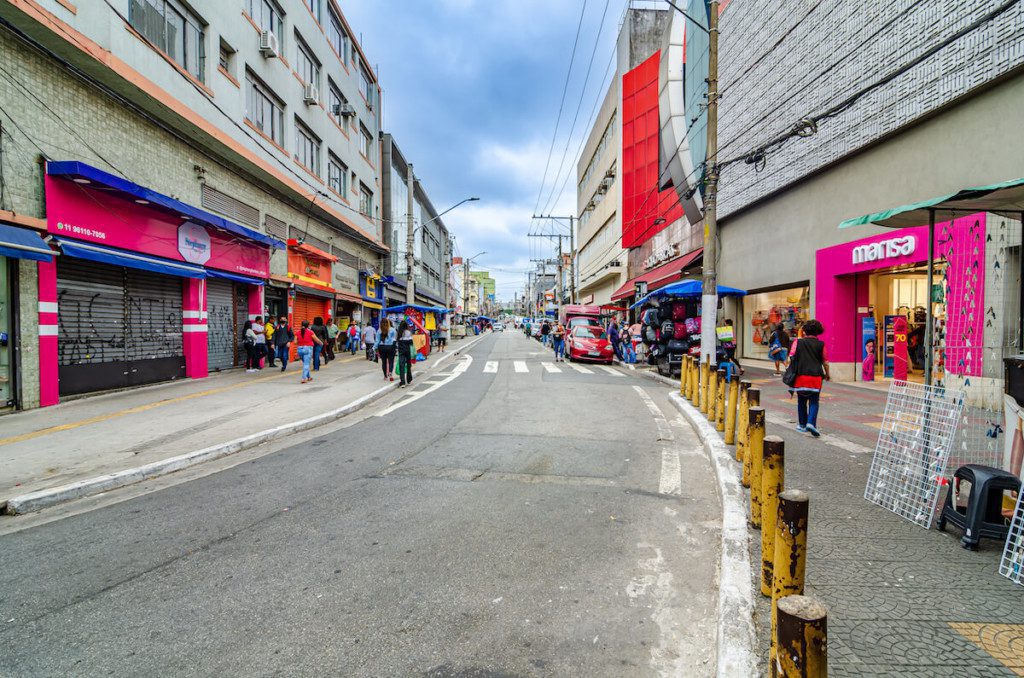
[(198, 164), (432, 242)]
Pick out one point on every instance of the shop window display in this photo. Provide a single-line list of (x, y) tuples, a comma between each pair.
[(763, 310)]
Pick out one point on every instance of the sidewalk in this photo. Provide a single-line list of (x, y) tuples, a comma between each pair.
[(902, 601), (105, 434)]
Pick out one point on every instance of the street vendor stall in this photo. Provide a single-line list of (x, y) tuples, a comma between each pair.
[(424, 320)]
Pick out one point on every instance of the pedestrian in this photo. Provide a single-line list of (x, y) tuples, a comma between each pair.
[(808, 366), (306, 341), (369, 340), (268, 334), (636, 331), (729, 346), (545, 332), (332, 338), (558, 339), (320, 330), (443, 334), (778, 347), (386, 347), (353, 338), (405, 349), (626, 341), (613, 338), (261, 340), (249, 344), (283, 336)]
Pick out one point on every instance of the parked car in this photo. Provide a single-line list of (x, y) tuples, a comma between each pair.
[(499, 327), (590, 343), (535, 329)]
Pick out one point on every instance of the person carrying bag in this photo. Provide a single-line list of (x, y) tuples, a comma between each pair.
[(807, 370)]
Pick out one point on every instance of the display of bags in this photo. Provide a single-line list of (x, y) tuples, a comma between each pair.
[(667, 328), (680, 331), (678, 311), (758, 337), (693, 325)]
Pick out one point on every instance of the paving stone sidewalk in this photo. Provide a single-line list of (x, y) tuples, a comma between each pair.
[(903, 601)]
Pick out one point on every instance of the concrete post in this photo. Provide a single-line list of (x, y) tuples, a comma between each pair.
[(755, 452), (772, 482), (720, 401), (801, 638), (790, 562), (731, 412)]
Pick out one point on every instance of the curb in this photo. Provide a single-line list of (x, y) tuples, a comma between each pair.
[(736, 635), (41, 499)]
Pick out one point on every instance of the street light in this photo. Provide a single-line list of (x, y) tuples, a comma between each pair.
[(465, 282), (410, 259)]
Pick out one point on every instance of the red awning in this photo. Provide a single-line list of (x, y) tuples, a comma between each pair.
[(348, 296), (310, 251), (659, 276)]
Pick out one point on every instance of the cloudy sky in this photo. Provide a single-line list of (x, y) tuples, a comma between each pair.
[(471, 94)]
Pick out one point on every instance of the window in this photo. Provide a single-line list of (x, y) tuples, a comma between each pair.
[(365, 141), (337, 175), (365, 200), (314, 7), (268, 16), (264, 110), (306, 64), (173, 29), (335, 100), (224, 60), (307, 148), (366, 85), (338, 36)]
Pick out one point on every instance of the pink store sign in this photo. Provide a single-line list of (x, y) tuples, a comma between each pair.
[(839, 292), (105, 218)]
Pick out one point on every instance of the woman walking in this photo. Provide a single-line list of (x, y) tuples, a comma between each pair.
[(405, 350), (320, 330), (810, 366), (778, 347), (305, 341), (386, 347), (249, 344), (558, 338)]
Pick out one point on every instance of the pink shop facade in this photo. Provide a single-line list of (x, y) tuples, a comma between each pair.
[(862, 287), (145, 288)]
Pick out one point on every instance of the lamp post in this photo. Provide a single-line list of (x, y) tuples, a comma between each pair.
[(410, 277)]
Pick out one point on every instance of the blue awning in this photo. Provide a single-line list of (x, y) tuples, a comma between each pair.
[(424, 309), (237, 277), (21, 243), (687, 288), (73, 169), (115, 257)]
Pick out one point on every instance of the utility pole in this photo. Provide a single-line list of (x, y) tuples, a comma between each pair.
[(465, 286), (558, 287), (572, 250), (709, 290), (410, 242)]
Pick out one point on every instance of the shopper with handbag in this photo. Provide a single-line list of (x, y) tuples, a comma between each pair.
[(385, 347), (778, 347), (405, 353), (808, 368)]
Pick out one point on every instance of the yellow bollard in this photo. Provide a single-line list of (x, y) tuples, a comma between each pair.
[(755, 450), (705, 377), (741, 420), (731, 411), (801, 638), (684, 366), (753, 400), (691, 392), (720, 401), (772, 482), (712, 393), (790, 562)]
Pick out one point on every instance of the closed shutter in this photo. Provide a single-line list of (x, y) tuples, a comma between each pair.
[(305, 307), (90, 302), (222, 338), (154, 316)]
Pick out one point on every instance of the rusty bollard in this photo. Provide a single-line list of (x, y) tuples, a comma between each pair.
[(720, 401), (705, 380), (755, 451), (801, 638), (731, 412), (712, 390), (772, 479), (741, 420), (691, 379), (790, 551), (753, 400)]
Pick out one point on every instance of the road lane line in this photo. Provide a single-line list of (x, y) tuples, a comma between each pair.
[(671, 472), (550, 367), (664, 430), (580, 368), (459, 369), (611, 370), (491, 367), (520, 366)]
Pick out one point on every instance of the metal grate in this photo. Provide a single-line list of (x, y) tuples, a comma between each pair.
[(1012, 564), (275, 227), (913, 450), (232, 208)]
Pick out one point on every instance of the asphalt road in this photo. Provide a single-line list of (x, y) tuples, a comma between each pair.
[(500, 518)]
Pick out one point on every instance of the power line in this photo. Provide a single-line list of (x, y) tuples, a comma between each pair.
[(561, 105)]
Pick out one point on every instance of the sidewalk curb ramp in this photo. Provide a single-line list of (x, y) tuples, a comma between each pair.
[(736, 635), (41, 499)]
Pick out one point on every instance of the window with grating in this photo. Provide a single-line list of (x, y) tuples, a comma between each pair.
[(311, 240), (345, 257), (275, 227), (230, 207)]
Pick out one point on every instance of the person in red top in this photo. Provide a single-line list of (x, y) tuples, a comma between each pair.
[(305, 339), (808, 361)]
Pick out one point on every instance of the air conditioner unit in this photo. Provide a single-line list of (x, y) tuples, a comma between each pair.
[(614, 263), (268, 44), (347, 110), (608, 181), (310, 94)]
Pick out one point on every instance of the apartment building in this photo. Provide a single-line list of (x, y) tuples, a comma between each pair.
[(192, 165)]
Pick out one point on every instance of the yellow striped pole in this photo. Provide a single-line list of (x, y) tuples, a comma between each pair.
[(772, 480), (755, 452), (753, 400), (731, 411), (720, 401), (741, 420)]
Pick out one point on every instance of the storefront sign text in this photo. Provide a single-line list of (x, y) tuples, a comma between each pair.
[(884, 249), (661, 254), (193, 243)]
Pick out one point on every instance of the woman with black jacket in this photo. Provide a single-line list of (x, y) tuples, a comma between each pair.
[(809, 364), (405, 349), (320, 330)]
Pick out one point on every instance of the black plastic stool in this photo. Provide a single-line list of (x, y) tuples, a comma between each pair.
[(984, 517)]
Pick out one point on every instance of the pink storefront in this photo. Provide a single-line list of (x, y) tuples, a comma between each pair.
[(146, 288), (884, 277)]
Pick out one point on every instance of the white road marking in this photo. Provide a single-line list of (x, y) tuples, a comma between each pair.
[(520, 366), (490, 367), (456, 372), (671, 473), (611, 370), (550, 367), (664, 431), (827, 438), (580, 368)]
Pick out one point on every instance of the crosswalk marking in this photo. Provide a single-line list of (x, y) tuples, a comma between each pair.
[(520, 366), (611, 370), (550, 367), (580, 368), (491, 366)]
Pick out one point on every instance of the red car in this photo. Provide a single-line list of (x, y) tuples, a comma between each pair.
[(589, 342)]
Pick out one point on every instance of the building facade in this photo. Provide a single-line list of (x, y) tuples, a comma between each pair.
[(196, 165)]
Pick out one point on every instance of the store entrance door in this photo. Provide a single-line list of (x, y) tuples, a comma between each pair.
[(6, 333)]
